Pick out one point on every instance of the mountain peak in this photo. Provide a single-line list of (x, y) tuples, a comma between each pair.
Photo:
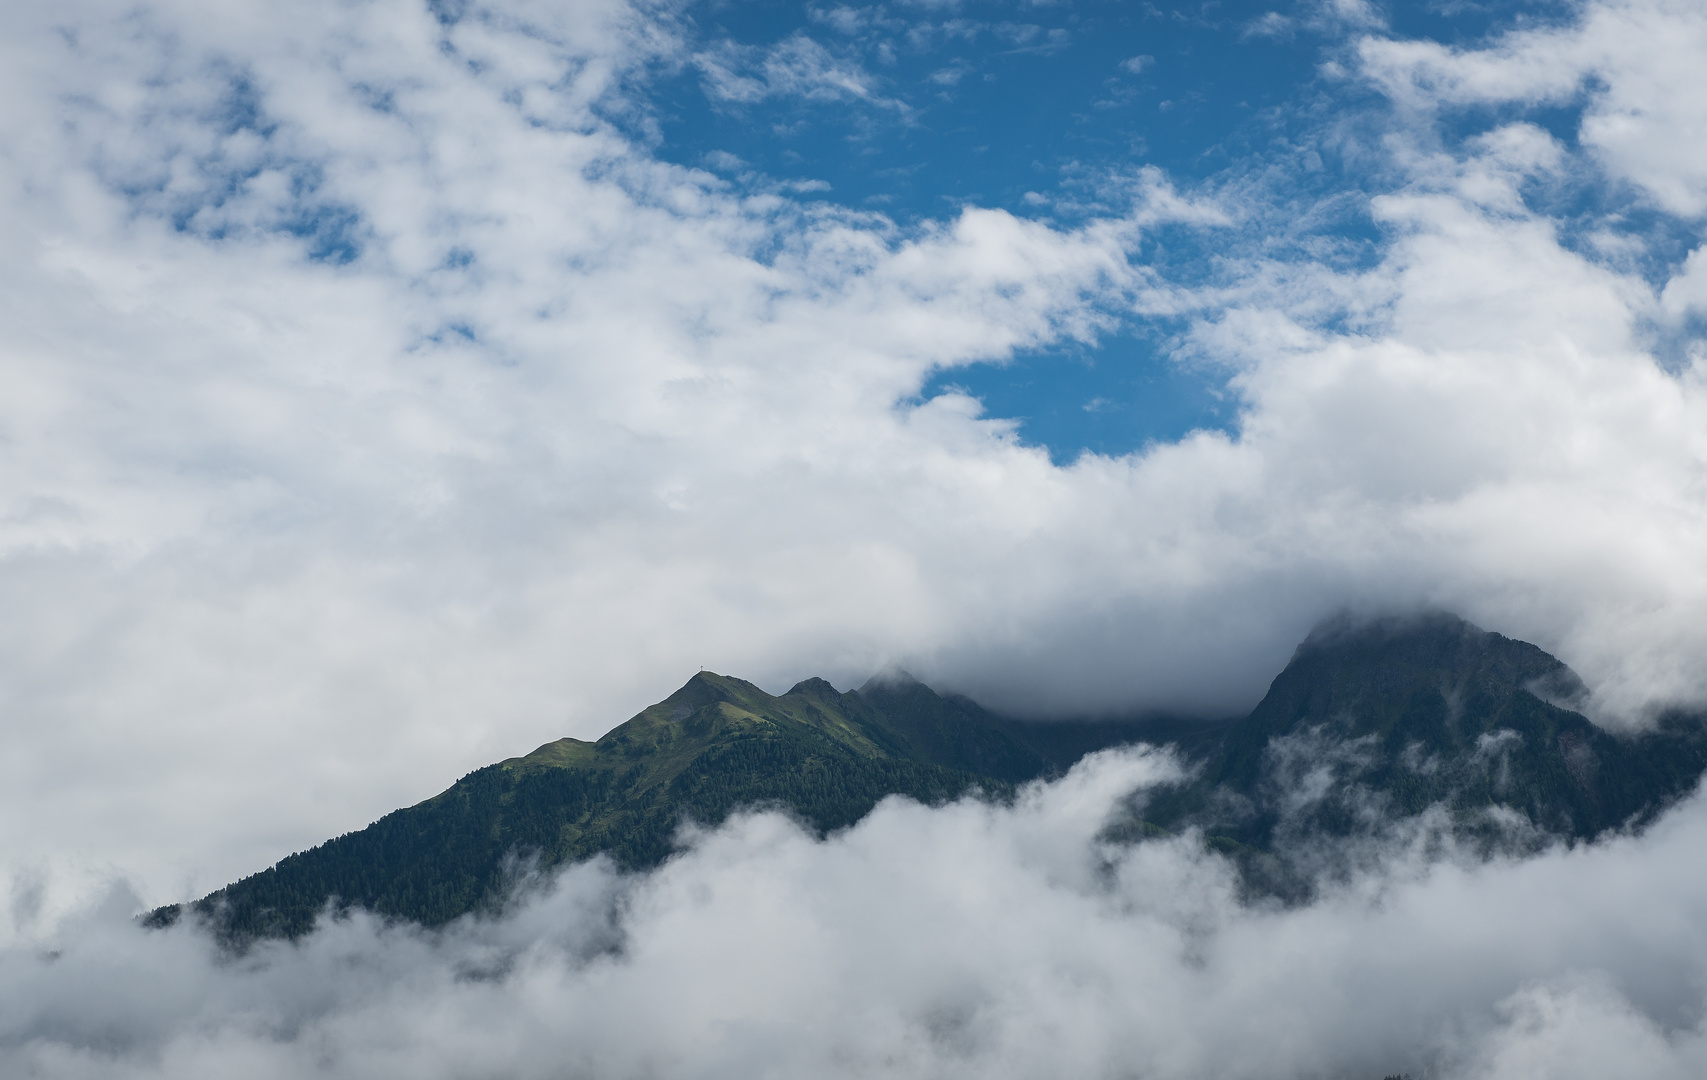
[(1398, 672), (1347, 630), (814, 687), (1426, 712), (1348, 660), (706, 688), (893, 679)]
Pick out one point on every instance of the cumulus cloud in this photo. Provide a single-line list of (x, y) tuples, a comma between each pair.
[(969, 940), (1686, 293), (1633, 63), (378, 405)]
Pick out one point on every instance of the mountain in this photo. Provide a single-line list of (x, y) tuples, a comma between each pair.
[(715, 745), (1375, 723), (1369, 726)]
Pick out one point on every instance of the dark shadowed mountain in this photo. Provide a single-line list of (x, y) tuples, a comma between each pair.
[(1371, 724), (1376, 722)]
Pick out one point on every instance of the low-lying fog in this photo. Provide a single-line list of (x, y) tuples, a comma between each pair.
[(969, 940)]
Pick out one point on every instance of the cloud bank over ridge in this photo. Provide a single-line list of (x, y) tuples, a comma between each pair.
[(966, 941), (379, 403)]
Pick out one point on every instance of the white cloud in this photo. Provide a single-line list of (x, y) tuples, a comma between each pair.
[(1270, 25), (1686, 292), (959, 942), (1636, 62), (797, 66)]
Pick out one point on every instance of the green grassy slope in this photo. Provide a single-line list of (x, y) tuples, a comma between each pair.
[(715, 745)]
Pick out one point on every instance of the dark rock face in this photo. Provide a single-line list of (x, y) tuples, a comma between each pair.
[(1373, 725), (1434, 669)]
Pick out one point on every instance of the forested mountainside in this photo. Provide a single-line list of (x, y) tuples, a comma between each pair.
[(1370, 723), (716, 744)]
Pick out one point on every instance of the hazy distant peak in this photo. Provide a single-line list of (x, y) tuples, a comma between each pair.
[(892, 679), (1428, 639), (1367, 666), (1355, 631)]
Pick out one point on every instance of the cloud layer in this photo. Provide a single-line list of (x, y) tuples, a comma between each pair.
[(378, 404), (966, 941)]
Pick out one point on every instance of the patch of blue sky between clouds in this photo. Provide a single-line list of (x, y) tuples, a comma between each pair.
[(1110, 399), (917, 110)]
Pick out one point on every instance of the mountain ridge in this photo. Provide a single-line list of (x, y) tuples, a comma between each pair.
[(1369, 723), (716, 744)]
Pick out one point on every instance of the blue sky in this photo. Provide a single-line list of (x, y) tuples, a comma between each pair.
[(1036, 109), (1031, 109)]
